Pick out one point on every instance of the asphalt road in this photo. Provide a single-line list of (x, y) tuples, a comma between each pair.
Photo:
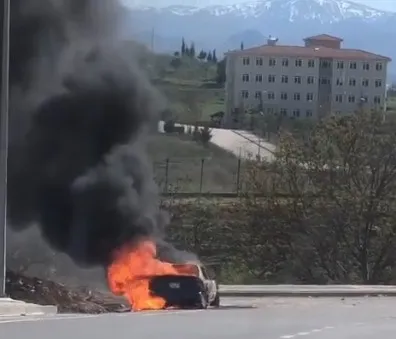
[(270, 318)]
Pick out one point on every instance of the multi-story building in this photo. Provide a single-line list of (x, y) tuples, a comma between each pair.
[(305, 81)]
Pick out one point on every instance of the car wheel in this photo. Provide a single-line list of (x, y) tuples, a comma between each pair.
[(216, 301), (203, 302)]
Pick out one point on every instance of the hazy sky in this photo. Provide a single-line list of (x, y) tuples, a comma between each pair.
[(389, 5)]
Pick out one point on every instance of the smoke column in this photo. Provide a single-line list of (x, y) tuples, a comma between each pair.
[(79, 117)]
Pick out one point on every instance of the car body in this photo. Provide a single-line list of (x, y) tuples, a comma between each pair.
[(191, 287)]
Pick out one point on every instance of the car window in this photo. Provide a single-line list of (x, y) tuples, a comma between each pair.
[(204, 273)]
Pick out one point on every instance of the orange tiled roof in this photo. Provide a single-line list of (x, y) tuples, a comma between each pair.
[(309, 52), (325, 37)]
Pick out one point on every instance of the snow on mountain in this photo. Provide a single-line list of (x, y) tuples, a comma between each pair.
[(328, 11), (220, 26)]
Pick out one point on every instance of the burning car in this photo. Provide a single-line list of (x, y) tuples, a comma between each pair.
[(151, 284), (192, 287)]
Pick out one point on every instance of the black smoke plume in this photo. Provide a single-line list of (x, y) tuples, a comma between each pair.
[(79, 116)]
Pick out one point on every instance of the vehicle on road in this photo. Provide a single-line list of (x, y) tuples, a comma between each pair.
[(190, 288)]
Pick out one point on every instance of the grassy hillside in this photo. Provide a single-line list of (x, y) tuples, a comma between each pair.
[(185, 161), (188, 84)]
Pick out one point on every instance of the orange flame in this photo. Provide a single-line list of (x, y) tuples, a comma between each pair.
[(129, 274)]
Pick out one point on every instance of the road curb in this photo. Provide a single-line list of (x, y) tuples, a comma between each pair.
[(10, 308), (255, 294)]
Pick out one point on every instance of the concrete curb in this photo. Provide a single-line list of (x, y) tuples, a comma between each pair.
[(307, 291), (10, 308)]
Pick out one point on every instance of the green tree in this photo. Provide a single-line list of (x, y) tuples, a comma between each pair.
[(334, 198), (183, 48), (202, 55), (205, 135), (209, 58), (214, 56), (192, 50), (176, 62), (242, 46)]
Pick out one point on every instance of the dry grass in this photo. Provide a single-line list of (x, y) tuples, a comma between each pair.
[(185, 159)]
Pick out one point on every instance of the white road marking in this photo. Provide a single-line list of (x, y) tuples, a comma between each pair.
[(41, 317), (301, 334), (8, 320)]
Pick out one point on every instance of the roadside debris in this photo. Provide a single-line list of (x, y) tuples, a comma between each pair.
[(68, 300)]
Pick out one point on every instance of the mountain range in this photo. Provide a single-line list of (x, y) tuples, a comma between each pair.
[(225, 27)]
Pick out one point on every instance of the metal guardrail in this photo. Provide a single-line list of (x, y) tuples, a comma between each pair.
[(306, 290)]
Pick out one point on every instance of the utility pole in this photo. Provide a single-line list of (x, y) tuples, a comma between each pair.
[(4, 139)]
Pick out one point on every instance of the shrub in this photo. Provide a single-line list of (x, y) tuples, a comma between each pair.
[(169, 126), (205, 135)]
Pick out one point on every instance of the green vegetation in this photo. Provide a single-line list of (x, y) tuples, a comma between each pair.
[(391, 105), (178, 161), (338, 224), (192, 82)]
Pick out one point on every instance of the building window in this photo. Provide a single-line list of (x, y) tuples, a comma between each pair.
[(245, 77), (310, 80), (283, 111), (258, 95), (297, 79), (365, 83), (271, 96), (283, 96), (310, 96), (325, 81), (378, 66), (353, 65), (246, 61), (272, 62), (338, 98), (245, 94), (259, 78), (296, 113), (285, 79), (339, 82), (285, 62), (364, 98), (311, 63), (351, 99), (308, 113), (259, 61), (299, 63), (352, 82), (366, 66), (325, 64), (297, 96), (377, 100), (378, 83), (340, 64), (271, 78)]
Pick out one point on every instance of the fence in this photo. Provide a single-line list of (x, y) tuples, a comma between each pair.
[(205, 175)]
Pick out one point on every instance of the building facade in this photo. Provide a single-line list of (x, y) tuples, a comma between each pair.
[(305, 81)]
